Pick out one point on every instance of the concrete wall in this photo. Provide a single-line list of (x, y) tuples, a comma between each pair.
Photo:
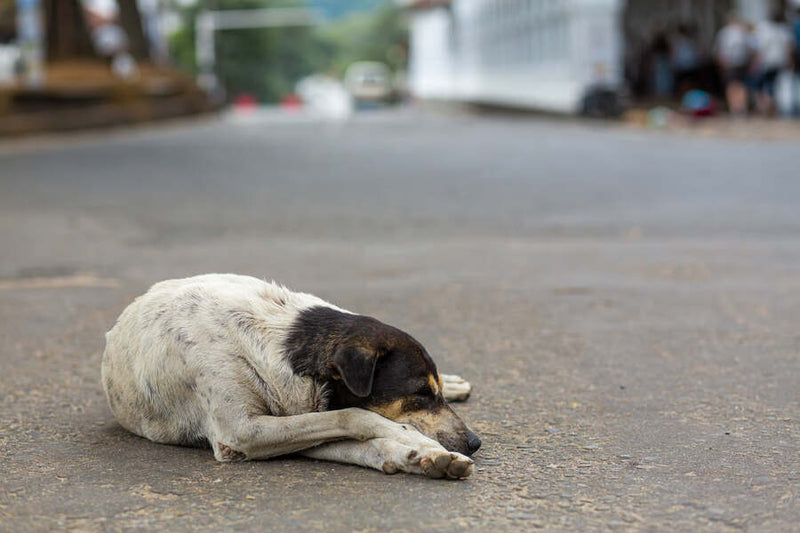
[(530, 53), (432, 64)]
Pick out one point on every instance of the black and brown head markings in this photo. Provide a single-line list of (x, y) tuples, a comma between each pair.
[(366, 363)]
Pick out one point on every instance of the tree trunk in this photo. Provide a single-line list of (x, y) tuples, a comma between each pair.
[(66, 31), (131, 21)]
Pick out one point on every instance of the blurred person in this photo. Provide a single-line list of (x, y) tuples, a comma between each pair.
[(635, 63), (684, 58), (796, 79), (732, 51), (773, 45), (660, 67)]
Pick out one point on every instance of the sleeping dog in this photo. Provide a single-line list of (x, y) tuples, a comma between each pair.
[(256, 371)]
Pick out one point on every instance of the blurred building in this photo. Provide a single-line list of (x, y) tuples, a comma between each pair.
[(549, 54)]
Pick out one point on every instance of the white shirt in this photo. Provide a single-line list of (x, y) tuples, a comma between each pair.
[(733, 45), (772, 42)]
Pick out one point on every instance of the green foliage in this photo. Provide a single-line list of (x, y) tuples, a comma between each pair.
[(380, 35), (268, 62), (181, 43)]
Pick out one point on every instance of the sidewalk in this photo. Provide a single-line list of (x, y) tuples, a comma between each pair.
[(719, 126), (81, 95)]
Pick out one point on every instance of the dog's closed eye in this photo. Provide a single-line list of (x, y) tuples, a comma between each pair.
[(424, 391)]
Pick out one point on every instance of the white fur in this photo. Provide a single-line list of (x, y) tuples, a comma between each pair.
[(202, 359)]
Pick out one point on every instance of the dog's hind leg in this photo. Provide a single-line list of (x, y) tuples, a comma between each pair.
[(455, 388), (391, 457)]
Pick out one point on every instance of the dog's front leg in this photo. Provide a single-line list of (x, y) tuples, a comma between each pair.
[(371, 440), (391, 456), (234, 435)]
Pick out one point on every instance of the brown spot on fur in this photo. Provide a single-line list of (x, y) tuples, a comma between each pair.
[(430, 422), (434, 385), (392, 410)]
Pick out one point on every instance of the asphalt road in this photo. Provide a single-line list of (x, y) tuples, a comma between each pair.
[(625, 304)]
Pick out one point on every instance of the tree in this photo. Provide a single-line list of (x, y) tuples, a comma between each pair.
[(131, 21), (379, 35), (268, 62), (66, 32), (263, 62)]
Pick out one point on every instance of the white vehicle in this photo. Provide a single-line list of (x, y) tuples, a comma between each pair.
[(325, 97), (369, 81)]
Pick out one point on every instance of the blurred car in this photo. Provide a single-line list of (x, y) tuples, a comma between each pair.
[(369, 81)]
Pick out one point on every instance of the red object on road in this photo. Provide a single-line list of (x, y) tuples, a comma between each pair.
[(291, 103), (245, 102)]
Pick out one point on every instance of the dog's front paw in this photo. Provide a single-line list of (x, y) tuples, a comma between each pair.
[(429, 459), (455, 388), (452, 465)]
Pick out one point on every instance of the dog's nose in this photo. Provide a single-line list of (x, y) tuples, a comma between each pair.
[(473, 444)]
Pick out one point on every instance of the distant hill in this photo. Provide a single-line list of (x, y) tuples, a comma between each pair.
[(332, 9)]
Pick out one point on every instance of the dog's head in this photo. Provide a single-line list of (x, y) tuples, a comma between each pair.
[(385, 370)]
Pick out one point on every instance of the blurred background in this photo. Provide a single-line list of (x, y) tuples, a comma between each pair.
[(146, 59), (587, 208)]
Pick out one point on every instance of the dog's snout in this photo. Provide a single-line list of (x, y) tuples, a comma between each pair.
[(473, 443)]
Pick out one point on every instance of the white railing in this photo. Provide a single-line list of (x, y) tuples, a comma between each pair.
[(533, 53)]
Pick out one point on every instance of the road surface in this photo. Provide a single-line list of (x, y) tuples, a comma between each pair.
[(625, 304)]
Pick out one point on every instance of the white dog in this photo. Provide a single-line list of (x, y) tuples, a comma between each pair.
[(256, 371)]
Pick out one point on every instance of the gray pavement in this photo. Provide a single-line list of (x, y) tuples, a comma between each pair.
[(625, 303)]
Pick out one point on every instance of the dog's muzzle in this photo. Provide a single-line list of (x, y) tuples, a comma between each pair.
[(464, 442), (473, 443)]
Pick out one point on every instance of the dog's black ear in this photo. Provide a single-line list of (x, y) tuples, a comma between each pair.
[(356, 367)]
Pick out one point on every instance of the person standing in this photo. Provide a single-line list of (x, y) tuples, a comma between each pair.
[(662, 79), (732, 51), (773, 50), (684, 58), (796, 78)]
